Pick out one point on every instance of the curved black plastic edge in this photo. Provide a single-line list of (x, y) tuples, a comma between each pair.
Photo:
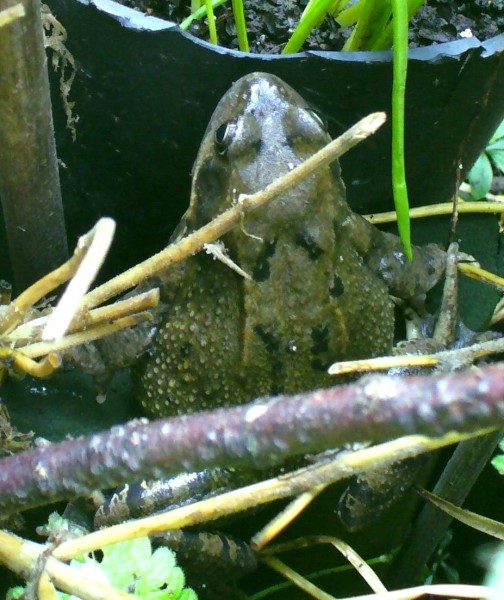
[(133, 19)]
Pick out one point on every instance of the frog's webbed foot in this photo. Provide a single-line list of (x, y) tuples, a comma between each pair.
[(102, 358)]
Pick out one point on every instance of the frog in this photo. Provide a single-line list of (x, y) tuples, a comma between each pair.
[(318, 278), (315, 286)]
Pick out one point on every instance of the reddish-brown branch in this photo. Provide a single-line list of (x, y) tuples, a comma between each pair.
[(258, 434)]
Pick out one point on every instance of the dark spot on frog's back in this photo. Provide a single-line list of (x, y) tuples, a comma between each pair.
[(272, 344), (320, 339), (305, 240), (210, 188), (186, 348), (320, 347), (337, 288), (261, 271), (269, 339)]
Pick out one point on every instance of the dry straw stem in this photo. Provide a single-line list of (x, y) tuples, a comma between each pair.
[(359, 564), (469, 518), (82, 337), (456, 358), (10, 14), (434, 210), (345, 549), (47, 284), (261, 493), (482, 275), (21, 556), (97, 243), (21, 339), (223, 223), (284, 517), (444, 590)]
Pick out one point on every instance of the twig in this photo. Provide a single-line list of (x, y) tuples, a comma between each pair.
[(460, 356), (82, 337), (10, 14), (258, 434), (48, 283), (433, 210), (98, 242)]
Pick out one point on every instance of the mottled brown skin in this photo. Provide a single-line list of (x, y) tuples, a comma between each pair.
[(317, 293)]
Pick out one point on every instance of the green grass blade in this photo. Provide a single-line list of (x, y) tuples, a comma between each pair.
[(384, 41), (311, 18), (199, 14), (347, 17), (400, 52), (241, 27), (337, 7), (212, 29), (371, 15)]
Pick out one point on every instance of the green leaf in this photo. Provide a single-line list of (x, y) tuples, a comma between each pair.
[(498, 463), (125, 560), (497, 145), (499, 132), (15, 592), (497, 157), (480, 176), (161, 571)]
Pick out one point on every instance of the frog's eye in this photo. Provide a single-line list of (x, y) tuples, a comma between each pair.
[(223, 136), (318, 117)]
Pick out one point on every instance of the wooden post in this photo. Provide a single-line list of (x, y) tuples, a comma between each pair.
[(29, 181)]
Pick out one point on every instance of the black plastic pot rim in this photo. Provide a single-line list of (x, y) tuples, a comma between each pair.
[(133, 19)]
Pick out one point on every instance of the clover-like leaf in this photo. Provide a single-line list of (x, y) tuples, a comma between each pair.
[(480, 176)]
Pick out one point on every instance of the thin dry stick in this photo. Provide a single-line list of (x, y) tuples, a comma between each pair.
[(358, 563), (298, 580), (482, 275), (132, 306), (97, 248), (433, 210), (10, 14), (459, 356), (46, 284), (223, 223), (121, 308), (82, 337), (447, 590), (284, 518)]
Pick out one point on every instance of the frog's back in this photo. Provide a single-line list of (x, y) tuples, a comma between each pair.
[(309, 301)]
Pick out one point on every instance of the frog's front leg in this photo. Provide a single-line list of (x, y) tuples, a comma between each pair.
[(383, 253)]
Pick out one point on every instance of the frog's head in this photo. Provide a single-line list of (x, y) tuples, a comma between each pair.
[(260, 129)]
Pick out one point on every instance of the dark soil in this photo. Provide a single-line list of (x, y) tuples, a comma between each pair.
[(271, 22)]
